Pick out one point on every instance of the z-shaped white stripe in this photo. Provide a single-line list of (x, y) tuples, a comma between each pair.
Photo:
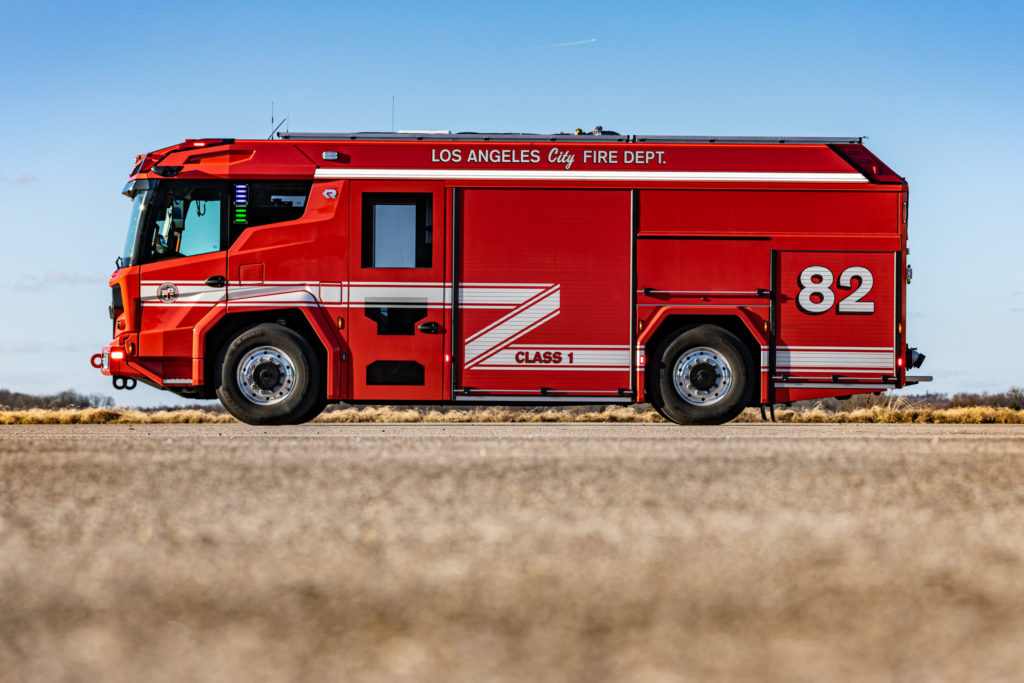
[(523, 319)]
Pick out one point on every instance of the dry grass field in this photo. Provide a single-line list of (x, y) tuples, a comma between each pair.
[(883, 413), (491, 552)]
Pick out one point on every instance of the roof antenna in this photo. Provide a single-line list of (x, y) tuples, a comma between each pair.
[(392, 113), (274, 129)]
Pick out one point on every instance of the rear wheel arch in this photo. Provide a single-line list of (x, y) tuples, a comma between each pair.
[(675, 324), (701, 374)]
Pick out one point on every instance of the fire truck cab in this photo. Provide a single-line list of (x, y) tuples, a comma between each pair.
[(702, 275)]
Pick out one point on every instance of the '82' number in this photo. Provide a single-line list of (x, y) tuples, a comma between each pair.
[(816, 295)]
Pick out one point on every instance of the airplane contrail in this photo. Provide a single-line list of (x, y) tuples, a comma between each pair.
[(575, 42)]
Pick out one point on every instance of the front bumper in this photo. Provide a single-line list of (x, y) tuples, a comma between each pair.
[(119, 361), (113, 361)]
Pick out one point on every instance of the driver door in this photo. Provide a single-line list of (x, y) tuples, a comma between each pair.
[(183, 276)]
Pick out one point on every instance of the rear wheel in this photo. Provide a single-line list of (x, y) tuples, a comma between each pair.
[(701, 376), (269, 375)]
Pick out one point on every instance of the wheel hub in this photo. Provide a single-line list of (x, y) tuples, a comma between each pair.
[(702, 376), (265, 375)]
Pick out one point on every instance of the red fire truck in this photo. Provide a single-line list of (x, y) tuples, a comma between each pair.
[(702, 275)]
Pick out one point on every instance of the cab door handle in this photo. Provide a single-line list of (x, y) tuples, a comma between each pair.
[(216, 281), (429, 328)]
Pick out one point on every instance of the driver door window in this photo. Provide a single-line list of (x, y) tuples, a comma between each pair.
[(186, 220)]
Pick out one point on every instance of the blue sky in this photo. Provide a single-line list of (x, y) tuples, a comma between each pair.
[(938, 88)]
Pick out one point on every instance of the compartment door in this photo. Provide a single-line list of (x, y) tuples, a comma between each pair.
[(836, 319), (397, 292), (544, 300)]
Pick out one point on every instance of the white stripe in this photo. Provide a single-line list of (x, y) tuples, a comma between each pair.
[(332, 293), (414, 293), (509, 285), (187, 294), (477, 296), (249, 291), (826, 373), (832, 385), (525, 305), (834, 348), (179, 283), (374, 283), (182, 304), (529, 321), (558, 368), (571, 347), (830, 359), (590, 357), (278, 283), (836, 362), (513, 326), (686, 176), (472, 295), (274, 304), (274, 297)]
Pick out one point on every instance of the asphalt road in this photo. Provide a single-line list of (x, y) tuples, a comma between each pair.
[(530, 552)]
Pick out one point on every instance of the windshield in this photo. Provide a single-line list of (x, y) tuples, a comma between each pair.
[(129, 256), (172, 219)]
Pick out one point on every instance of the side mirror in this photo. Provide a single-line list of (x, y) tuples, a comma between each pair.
[(177, 222), (168, 239)]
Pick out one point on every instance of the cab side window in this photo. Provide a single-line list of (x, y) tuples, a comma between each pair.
[(261, 202), (397, 230), (185, 220)]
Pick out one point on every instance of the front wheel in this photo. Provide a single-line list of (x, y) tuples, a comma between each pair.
[(701, 376), (269, 375)]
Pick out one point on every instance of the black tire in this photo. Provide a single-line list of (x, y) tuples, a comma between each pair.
[(701, 376), (269, 375), (314, 410)]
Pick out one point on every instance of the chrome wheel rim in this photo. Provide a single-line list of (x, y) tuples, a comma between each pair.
[(266, 375), (702, 376)]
